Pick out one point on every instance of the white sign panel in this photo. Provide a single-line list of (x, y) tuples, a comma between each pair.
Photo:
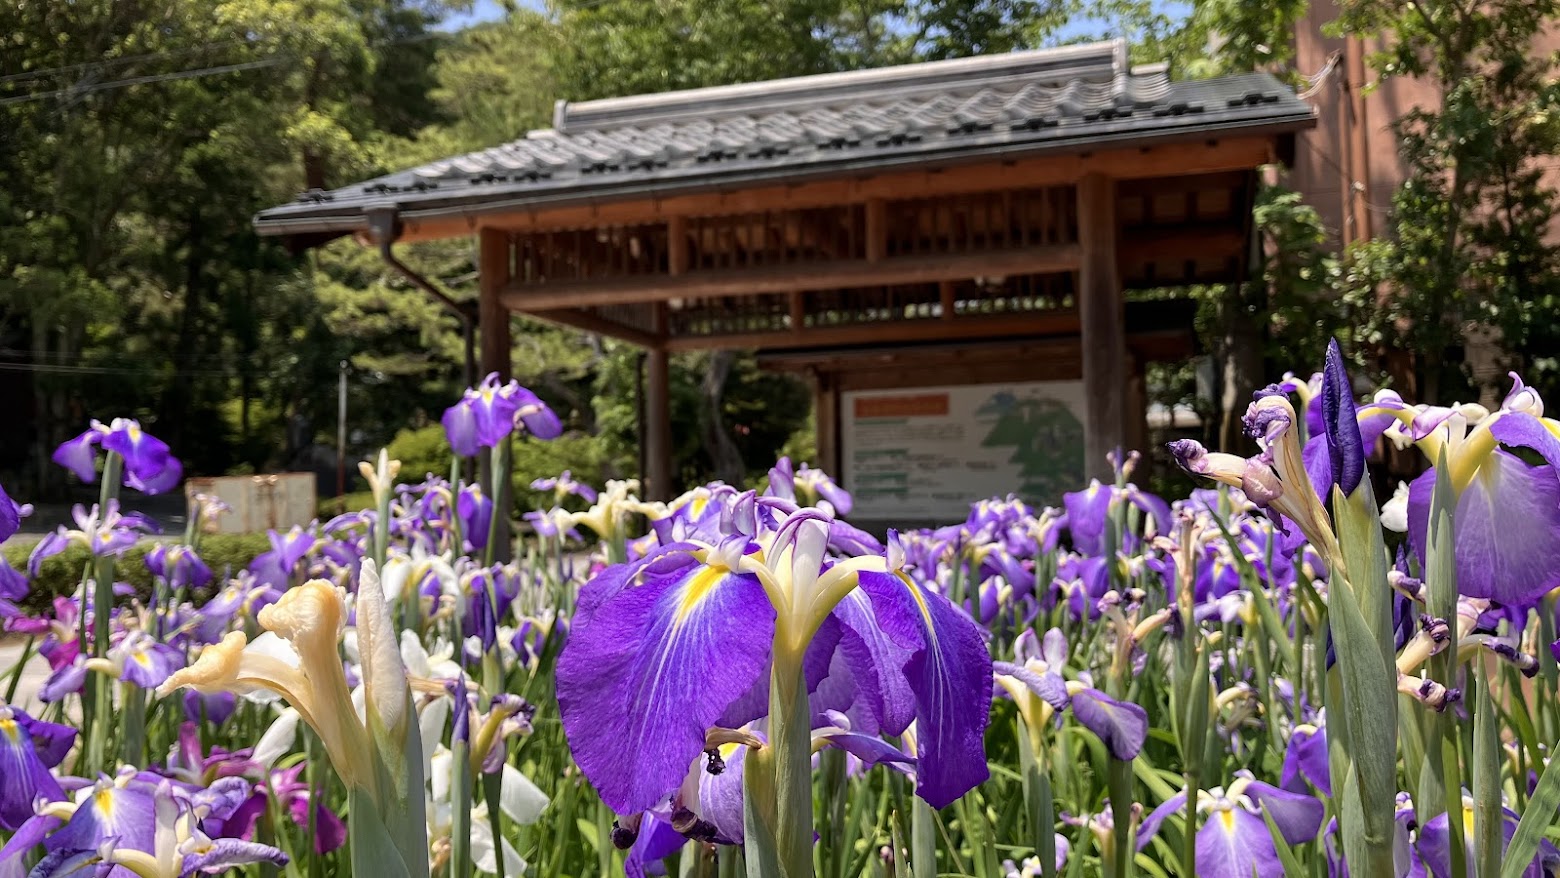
[(927, 453)]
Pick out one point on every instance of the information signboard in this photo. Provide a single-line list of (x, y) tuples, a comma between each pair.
[(924, 454)]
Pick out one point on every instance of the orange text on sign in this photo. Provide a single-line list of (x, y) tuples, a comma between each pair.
[(920, 405)]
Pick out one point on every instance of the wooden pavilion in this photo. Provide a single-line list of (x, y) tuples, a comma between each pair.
[(949, 223)]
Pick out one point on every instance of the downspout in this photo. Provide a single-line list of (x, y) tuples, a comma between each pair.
[(384, 228)]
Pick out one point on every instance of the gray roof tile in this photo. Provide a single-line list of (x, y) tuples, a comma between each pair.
[(1019, 103)]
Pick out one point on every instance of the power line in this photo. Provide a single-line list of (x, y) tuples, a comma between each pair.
[(78, 90), (140, 80), (116, 62)]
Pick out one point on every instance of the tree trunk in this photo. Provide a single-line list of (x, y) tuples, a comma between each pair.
[(1240, 354), (725, 459)]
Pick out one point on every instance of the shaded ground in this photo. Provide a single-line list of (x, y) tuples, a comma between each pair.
[(33, 675), (167, 510)]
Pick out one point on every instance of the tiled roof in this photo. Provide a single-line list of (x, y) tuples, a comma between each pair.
[(920, 114)]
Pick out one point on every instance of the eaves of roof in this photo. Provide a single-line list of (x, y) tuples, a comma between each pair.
[(596, 159)]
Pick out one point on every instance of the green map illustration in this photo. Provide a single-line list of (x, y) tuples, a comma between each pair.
[(1046, 438)]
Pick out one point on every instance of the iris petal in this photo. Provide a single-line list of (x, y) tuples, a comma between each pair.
[(25, 775), (1087, 511), (1507, 529), (1298, 816), (1345, 447), (78, 455), (1306, 757), (949, 671), (460, 428), (651, 670), (1156, 818), (875, 662), (1236, 844), (1122, 725)]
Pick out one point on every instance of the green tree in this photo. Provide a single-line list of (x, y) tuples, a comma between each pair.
[(1468, 244)]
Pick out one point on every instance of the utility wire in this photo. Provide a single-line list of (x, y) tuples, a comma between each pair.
[(77, 90), (140, 80), (106, 63)]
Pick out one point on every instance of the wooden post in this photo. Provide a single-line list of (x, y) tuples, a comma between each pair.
[(496, 269), (1137, 412), (1102, 319), (658, 377), (826, 402), (658, 424), (492, 316)]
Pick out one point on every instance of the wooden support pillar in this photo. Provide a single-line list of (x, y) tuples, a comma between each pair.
[(658, 377), (1102, 319), (496, 270), (658, 424), (495, 265), (826, 402), (1137, 412)]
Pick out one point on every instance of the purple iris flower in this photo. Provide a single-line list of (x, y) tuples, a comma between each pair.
[(293, 795), (144, 661), (488, 412), (28, 749), (103, 534), (1122, 725), (179, 565), (1433, 844), (290, 548), (1306, 757), (1507, 520), (475, 509), (563, 485), (149, 465), (1340, 421), (215, 709), (13, 585), (1234, 841), (664, 649), (10, 515)]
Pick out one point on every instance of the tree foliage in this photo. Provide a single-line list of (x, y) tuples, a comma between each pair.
[(1469, 249)]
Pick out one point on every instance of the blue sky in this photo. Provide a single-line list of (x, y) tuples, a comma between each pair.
[(489, 10), (483, 10)]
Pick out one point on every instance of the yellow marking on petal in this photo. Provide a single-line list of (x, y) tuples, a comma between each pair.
[(697, 589), (728, 750), (141, 659), (1228, 819), (9, 728), (104, 800), (698, 505), (920, 603)]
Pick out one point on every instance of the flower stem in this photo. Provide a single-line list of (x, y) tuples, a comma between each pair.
[(777, 799)]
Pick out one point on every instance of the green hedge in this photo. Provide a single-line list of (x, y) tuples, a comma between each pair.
[(61, 574), (426, 450)]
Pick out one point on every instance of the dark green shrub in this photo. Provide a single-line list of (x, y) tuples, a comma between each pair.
[(225, 554)]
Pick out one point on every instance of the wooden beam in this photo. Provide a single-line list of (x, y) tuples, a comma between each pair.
[(1102, 318), (782, 279), (889, 331), (588, 322), (1183, 242), (1201, 156)]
